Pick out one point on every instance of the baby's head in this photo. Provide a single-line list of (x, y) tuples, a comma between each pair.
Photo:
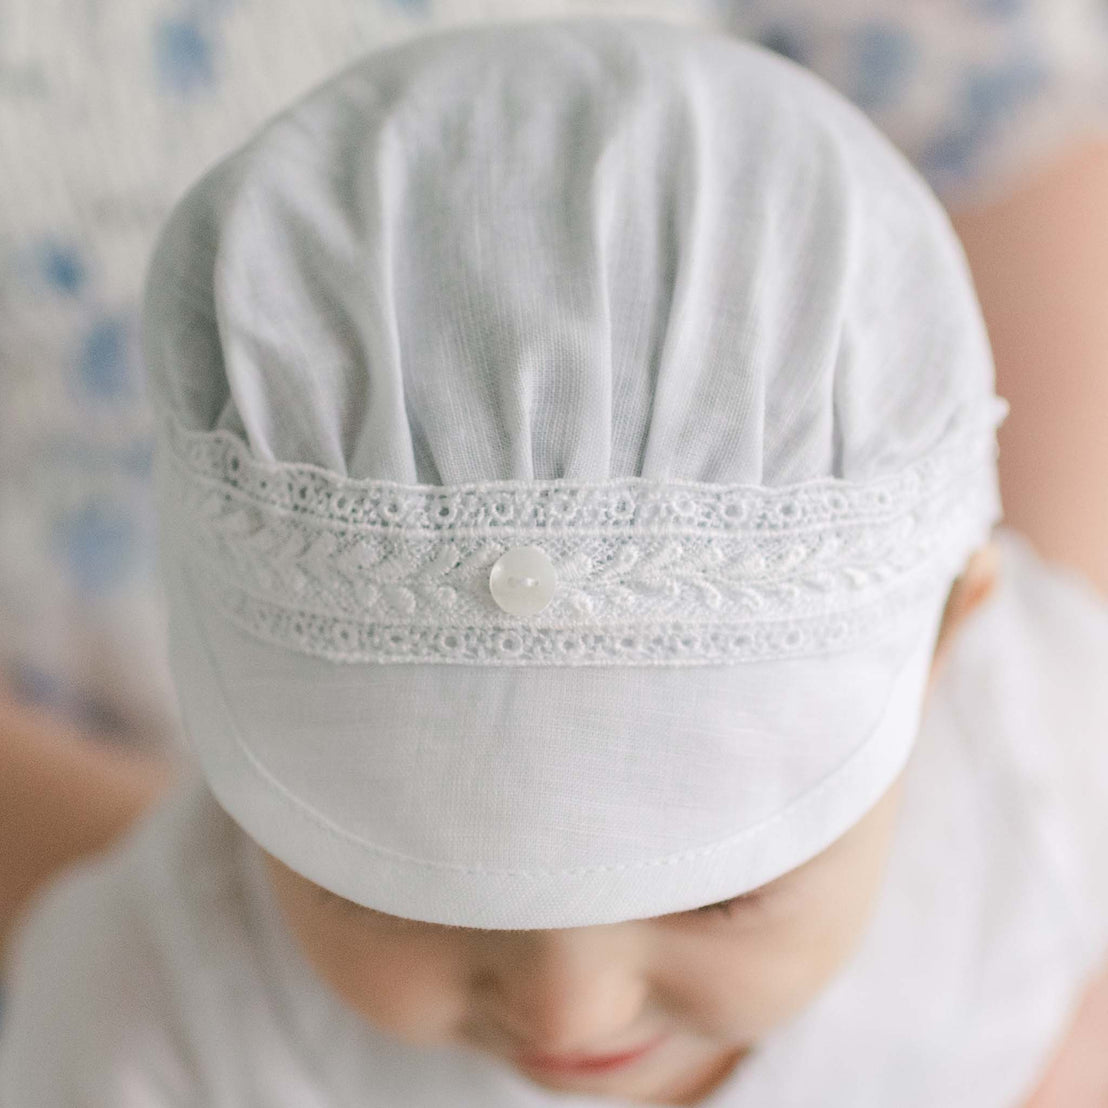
[(570, 434), (703, 984)]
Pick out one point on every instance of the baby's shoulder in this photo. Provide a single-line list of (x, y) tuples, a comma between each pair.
[(1028, 692), (1035, 644), (103, 984), (1059, 606)]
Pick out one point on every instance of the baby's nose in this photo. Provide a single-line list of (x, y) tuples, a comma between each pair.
[(568, 992)]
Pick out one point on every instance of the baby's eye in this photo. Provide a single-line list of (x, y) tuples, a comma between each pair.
[(397, 922), (727, 907)]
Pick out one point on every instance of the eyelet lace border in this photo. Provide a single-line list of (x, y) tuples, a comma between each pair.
[(647, 572)]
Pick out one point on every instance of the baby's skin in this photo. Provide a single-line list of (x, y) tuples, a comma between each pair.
[(709, 982), (700, 987)]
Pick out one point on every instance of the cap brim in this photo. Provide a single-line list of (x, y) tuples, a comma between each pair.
[(541, 797)]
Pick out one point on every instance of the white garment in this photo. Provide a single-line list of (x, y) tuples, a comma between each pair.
[(161, 975)]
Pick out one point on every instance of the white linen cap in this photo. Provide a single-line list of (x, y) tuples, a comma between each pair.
[(569, 433)]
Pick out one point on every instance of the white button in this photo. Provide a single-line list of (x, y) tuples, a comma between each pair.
[(522, 581)]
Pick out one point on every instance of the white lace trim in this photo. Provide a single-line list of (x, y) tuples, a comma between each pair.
[(647, 572)]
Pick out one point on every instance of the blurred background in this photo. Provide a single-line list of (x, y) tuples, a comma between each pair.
[(109, 111)]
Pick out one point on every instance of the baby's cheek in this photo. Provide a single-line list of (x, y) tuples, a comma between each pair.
[(795, 963), (409, 990), (739, 987)]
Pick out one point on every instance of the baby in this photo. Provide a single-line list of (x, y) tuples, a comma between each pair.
[(577, 485)]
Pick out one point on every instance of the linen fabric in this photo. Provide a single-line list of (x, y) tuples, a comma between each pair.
[(975, 94), (162, 974), (562, 257)]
